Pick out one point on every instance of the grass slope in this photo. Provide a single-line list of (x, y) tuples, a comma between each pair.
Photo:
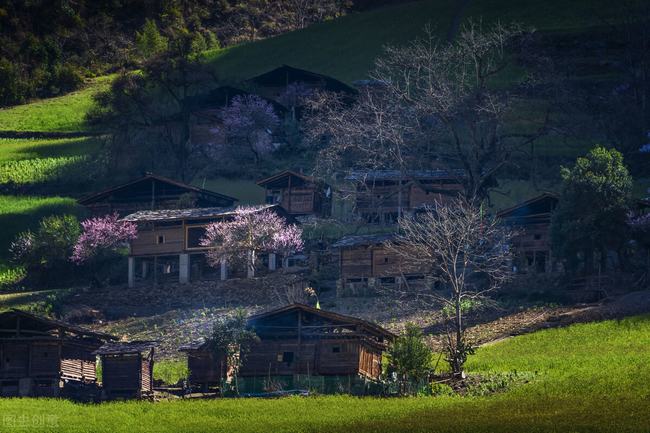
[(65, 113), (591, 378)]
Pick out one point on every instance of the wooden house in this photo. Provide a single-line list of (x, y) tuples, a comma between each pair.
[(206, 368), (168, 242), (301, 340), (153, 192), (274, 83), (382, 194), (38, 356), (531, 221), (365, 263), (127, 369), (298, 194)]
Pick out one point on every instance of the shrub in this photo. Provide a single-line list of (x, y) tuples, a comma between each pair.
[(440, 389), (44, 253), (409, 357)]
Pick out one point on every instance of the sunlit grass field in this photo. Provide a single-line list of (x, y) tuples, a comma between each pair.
[(66, 113), (590, 378)]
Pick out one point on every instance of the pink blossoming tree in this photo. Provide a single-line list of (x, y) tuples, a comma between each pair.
[(101, 235), (248, 234), (248, 122)]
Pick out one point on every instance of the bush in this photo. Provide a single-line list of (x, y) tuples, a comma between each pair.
[(45, 254), (440, 389), (410, 358)]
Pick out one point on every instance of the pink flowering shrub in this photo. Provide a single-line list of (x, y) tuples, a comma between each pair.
[(249, 233), (102, 234)]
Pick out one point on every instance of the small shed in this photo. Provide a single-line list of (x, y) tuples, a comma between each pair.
[(300, 340), (298, 194), (532, 242), (38, 355), (127, 369), (206, 368), (153, 192)]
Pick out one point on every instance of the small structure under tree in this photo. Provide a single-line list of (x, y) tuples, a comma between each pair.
[(127, 369), (298, 194), (207, 368)]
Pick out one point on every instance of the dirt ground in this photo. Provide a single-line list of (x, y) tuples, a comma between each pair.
[(177, 314)]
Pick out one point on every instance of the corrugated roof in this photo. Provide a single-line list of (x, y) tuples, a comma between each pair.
[(356, 240), (58, 324), (194, 213), (369, 175)]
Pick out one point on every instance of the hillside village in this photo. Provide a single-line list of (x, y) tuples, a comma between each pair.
[(433, 199)]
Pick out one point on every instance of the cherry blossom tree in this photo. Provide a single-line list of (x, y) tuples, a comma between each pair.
[(249, 122), (100, 235), (248, 234)]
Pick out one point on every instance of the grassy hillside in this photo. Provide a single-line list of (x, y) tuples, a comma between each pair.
[(62, 114), (587, 378)]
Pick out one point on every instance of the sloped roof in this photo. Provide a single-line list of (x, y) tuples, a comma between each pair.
[(125, 348), (370, 175), (530, 207), (356, 240), (52, 324), (223, 95), (329, 315), (198, 213), (150, 176), (285, 73), (285, 173)]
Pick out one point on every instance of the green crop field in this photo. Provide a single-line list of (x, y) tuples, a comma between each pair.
[(588, 378)]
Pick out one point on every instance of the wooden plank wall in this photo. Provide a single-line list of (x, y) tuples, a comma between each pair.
[(122, 372), (147, 241)]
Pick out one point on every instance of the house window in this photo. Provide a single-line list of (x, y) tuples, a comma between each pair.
[(336, 349), (385, 259), (538, 236), (287, 357), (160, 239)]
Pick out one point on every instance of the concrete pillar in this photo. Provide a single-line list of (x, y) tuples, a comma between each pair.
[(272, 262), (224, 270), (184, 268), (145, 269), (131, 277)]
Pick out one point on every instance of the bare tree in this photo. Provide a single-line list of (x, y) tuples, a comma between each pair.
[(434, 104), (468, 253)]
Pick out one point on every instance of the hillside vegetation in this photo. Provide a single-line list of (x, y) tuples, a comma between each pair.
[(599, 386)]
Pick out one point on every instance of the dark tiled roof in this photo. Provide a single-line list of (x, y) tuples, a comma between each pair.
[(193, 345), (98, 196), (369, 175), (351, 241), (123, 348), (52, 323), (330, 315)]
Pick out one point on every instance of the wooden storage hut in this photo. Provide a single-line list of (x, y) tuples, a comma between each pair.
[(127, 369), (301, 340), (382, 194), (206, 368), (531, 220), (39, 356), (298, 194), (153, 192), (171, 239), (365, 263)]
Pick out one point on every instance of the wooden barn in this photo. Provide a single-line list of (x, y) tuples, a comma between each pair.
[(127, 369), (206, 368), (169, 242), (298, 194), (153, 192), (272, 84), (365, 263), (39, 356), (381, 194), (301, 340), (532, 222)]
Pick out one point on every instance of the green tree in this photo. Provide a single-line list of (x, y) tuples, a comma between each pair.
[(591, 216), (410, 357), (149, 41)]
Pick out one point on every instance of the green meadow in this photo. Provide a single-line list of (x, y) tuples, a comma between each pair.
[(586, 378)]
